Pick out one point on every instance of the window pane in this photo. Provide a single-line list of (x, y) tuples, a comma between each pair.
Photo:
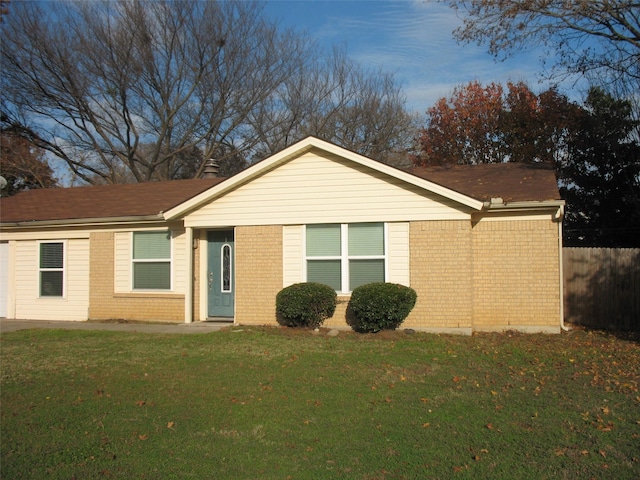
[(325, 271), (150, 245), (152, 275), (51, 284), (323, 240), (225, 281), (51, 255), (362, 272), (366, 239)]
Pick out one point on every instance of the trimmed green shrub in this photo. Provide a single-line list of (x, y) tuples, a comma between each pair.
[(305, 304), (380, 306)]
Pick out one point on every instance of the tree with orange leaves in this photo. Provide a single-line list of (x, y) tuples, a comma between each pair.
[(23, 166), (490, 125)]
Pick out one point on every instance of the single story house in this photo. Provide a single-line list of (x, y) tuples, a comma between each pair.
[(480, 244)]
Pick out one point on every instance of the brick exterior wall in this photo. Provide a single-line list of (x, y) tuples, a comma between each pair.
[(441, 275), (516, 275), (339, 319), (104, 304), (258, 273), (491, 275)]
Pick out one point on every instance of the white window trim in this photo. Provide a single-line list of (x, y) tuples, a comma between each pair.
[(149, 260), (63, 269), (344, 256)]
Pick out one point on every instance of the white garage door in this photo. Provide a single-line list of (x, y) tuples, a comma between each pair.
[(4, 278)]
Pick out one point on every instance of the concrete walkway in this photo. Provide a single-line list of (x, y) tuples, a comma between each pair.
[(188, 328)]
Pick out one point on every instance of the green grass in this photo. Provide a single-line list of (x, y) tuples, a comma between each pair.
[(278, 404)]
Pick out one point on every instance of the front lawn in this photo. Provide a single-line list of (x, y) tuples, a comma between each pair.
[(273, 403)]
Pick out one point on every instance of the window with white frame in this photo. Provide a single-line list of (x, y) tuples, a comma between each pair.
[(51, 269), (152, 260), (345, 256)]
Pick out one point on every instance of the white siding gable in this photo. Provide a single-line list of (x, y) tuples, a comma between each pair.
[(320, 187)]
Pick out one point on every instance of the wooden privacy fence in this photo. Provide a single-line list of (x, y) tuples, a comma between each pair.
[(602, 287)]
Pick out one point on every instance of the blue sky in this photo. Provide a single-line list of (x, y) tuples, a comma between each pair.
[(411, 38)]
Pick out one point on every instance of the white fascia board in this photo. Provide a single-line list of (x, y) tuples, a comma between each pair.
[(524, 205), (298, 149), (556, 207)]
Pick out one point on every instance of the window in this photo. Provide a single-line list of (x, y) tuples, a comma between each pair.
[(152, 260), (225, 268), (345, 256), (51, 269)]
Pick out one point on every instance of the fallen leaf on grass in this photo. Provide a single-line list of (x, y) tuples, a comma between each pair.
[(143, 437), (170, 424), (141, 403)]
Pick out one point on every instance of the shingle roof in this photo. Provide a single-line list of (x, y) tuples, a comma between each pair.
[(513, 182), (103, 201)]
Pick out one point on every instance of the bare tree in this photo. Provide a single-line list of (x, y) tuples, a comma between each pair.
[(126, 90), (585, 35), (93, 81), (597, 39), (337, 100)]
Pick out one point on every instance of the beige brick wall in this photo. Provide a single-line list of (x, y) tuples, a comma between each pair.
[(105, 304), (339, 319), (258, 273), (516, 275), (440, 259), (489, 276)]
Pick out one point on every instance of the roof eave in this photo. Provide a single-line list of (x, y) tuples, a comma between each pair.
[(556, 207), (85, 222)]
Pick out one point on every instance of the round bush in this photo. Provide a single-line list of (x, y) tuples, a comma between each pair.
[(380, 306), (305, 304)]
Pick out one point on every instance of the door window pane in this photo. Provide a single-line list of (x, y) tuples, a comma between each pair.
[(225, 280)]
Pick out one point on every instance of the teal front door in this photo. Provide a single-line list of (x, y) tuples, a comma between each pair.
[(220, 277)]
